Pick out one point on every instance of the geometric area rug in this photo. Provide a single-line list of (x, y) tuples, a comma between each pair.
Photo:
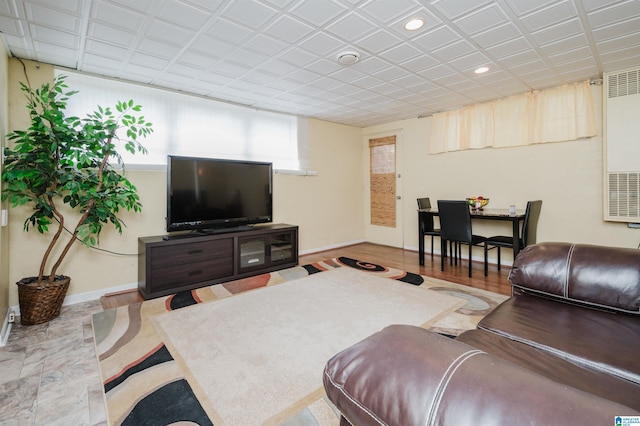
[(252, 351)]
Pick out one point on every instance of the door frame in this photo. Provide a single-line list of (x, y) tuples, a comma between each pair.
[(393, 237)]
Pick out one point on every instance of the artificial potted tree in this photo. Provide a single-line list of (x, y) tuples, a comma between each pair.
[(63, 168)]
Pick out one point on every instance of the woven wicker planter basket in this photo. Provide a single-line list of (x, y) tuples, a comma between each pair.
[(41, 303)]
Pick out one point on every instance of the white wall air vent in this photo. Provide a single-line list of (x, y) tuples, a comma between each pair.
[(622, 145)]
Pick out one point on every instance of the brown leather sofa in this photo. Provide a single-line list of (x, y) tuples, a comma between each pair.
[(565, 349)]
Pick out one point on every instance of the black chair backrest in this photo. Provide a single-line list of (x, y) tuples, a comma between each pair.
[(530, 224), (455, 220), (424, 203), (427, 222)]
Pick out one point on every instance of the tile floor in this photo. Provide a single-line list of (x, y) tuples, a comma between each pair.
[(49, 372)]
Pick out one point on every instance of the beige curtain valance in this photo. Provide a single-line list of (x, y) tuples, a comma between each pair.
[(559, 114)]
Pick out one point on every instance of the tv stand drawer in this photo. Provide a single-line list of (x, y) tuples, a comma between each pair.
[(188, 261)]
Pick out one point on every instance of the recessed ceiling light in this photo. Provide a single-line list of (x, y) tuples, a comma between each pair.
[(414, 24), (481, 70), (348, 57)]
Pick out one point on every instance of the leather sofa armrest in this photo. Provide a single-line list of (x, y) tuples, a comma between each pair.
[(406, 375), (603, 277)]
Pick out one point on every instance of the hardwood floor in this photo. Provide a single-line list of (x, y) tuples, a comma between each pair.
[(405, 260)]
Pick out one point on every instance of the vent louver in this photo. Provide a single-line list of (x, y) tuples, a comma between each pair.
[(622, 146), (623, 83)]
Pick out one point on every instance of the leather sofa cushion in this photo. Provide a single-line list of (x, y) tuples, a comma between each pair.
[(601, 340), (597, 275), (557, 369), (406, 375)]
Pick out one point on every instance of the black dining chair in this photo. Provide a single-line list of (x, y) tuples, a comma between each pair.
[(455, 226), (527, 237), (427, 224)]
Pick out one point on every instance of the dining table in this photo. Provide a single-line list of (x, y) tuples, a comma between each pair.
[(500, 214)]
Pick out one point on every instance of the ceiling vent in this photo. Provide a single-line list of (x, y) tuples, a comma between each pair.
[(348, 58)]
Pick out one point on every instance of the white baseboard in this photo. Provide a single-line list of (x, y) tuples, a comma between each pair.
[(331, 247), (6, 327)]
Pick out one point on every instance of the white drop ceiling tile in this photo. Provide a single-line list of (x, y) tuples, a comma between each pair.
[(307, 90), (436, 39), (535, 66), (519, 58), (11, 26), (325, 66), (302, 76), (250, 13), (567, 44), (455, 50), (230, 69), (158, 49), (401, 53), (278, 67), (481, 20), (371, 65), (114, 63), (211, 46), (110, 34), (210, 5), (622, 42), (182, 14), (139, 5), (559, 31), (351, 27), (117, 16), (318, 13), (356, 78), (56, 37), (71, 6), (297, 57), (391, 73), (384, 88), (509, 48), (68, 56), (496, 35), (627, 55), (53, 18), (549, 16), (469, 62), (623, 63), (228, 31), (20, 48), (379, 41), (387, 10), (216, 79), (196, 59), (322, 44), (454, 8), (451, 80), (366, 82), (326, 83), (100, 48), (419, 64), (288, 29), (246, 58), (266, 45), (169, 33), (7, 8), (436, 72), (577, 70), (149, 61), (185, 70), (614, 13), (629, 27), (524, 7)]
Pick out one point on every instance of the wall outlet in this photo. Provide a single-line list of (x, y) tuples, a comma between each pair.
[(12, 316)]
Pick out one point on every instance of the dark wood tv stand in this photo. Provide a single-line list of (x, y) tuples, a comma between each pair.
[(167, 265)]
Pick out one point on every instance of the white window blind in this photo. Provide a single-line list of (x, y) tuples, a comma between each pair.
[(195, 126)]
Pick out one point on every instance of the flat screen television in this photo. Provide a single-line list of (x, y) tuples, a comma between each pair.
[(210, 193)]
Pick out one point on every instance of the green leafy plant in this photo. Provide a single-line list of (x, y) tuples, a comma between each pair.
[(67, 160)]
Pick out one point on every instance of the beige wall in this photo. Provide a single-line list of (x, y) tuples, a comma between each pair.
[(4, 237), (567, 176)]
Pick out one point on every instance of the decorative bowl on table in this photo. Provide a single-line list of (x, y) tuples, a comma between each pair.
[(477, 203)]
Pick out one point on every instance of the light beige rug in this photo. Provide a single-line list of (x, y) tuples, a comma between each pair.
[(257, 358)]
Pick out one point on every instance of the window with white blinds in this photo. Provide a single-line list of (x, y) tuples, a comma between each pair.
[(195, 126)]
